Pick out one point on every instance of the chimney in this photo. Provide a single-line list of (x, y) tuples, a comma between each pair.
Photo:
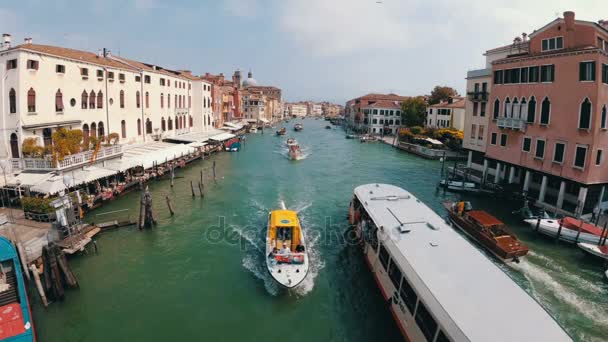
[(524, 36), (569, 19), (27, 40), (6, 41)]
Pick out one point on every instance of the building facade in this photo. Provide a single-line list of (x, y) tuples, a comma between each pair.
[(297, 109), (382, 117), (447, 114), (354, 115)]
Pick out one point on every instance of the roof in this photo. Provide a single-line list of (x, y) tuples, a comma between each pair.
[(284, 218), (484, 218), (385, 104), (458, 103), (389, 97), (469, 294), (222, 137)]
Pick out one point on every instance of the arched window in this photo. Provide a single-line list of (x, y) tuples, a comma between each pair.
[(85, 135), (189, 101), (584, 119), (147, 100), (137, 99), (507, 108), (84, 99), (545, 111), (123, 129), (100, 99), (58, 101), (603, 123), (523, 108), (162, 100), (176, 123), (191, 121), (181, 122), (170, 124), (168, 100), (532, 110), (148, 126), (515, 108), (12, 101), (31, 100), (47, 137), (93, 130), (138, 126), (496, 108), (100, 129), (163, 126), (176, 105), (92, 100), (14, 145), (209, 120), (122, 99)]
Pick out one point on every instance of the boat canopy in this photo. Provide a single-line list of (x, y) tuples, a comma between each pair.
[(484, 218), (285, 219)]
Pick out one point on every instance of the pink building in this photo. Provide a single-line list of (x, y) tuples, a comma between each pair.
[(548, 108)]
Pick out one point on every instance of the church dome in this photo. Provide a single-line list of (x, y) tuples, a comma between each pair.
[(250, 81)]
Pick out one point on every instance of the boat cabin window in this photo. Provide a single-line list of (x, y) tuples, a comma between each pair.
[(395, 274), (284, 233), (408, 295), (370, 230), (426, 322), (384, 256), (441, 337)]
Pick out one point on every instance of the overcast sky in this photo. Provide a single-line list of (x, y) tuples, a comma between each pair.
[(313, 49)]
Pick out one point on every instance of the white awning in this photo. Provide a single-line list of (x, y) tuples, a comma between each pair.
[(72, 178), (28, 179), (433, 141), (222, 137), (264, 120), (197, 144)]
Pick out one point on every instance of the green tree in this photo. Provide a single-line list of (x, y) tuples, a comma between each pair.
[(441, 93), (414, 111)]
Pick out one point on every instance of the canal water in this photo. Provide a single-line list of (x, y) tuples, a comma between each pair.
[(199, 276)]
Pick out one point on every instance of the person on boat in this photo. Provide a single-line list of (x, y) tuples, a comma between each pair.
[(285, 250), (299, 249), (460, 208)]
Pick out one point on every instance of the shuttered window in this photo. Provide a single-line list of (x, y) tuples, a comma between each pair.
[(587, 71), (31, 100), (58, 101), (584, 121)]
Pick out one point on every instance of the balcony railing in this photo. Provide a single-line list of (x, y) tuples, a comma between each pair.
[(477, 96), (511, 123), (72, 161)]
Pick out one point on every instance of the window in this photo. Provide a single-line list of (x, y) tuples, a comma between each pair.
[(11, 64), (552, 44), (162, 81), (547, 73), (92, 100), (473, 131), (493, 138), (147, 100), (162, 100), (587, 71), (515, 110), (584, 120), (84, 99), (147, 79), (32, 65), (122, 99), (123, 129), (137, 99), (170, 124), (545, 112), (426, 322), (498, 77), (168, 100), (598, 158), (12, 101), (84, 72), (383, 256), (100, 99), (58, 101), (121, 78), (148, 126), (579, 156), (524, 75), (31, 101), (527, 144), (605, 73), (540, 149), (99, 73), (533, 74), (163, 124), (496, 108), (110, 76), (503, 140), (480, 134), (60, 69), (408, 295), (475, 108), (603, 122), (508, 108), (138, 79), (531, 110), (558, 153), (482, 113)]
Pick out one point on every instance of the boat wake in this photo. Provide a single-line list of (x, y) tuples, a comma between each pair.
[(544, 285), (284, 151)]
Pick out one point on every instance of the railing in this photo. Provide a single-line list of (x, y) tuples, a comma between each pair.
[(429, 153), (511, 123), (75, 160), (478, 96)]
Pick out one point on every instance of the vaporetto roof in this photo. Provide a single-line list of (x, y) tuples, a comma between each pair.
[(459, 283)]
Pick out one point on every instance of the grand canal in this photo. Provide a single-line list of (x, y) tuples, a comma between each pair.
[(198, 276)]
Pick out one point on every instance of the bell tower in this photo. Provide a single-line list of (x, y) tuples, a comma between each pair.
[(236, 78)]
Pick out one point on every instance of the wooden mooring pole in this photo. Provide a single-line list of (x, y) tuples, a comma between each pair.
[(578, 234), (36, 276), (169, 205), (214, 176), (603, 237), (537, 224), (559, 230), (200, 188), (192, 188)]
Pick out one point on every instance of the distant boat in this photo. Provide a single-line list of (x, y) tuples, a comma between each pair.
[(287, 256), (291, 142), (351, 136), (594, 250), (572, 230), (15, 315), (487, 230), (298, 127), (282, 131), (295, 153), (233, 145), (327, 127), (253, 130), (367, 138), (533, 212)]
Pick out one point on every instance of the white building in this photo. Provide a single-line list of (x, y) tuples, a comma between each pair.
[(254, 107), (45, 87), (297, 109), (382, 117), (447, 114), (317, 109)]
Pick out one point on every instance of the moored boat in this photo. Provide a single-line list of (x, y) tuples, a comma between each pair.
[(233, 145), (253, 130), (287, 256), (568, 229), (487, 231), (594, 250), (295, 153), (282, 131), (351, 136), (460, 186), (533, 212), (15, 315)]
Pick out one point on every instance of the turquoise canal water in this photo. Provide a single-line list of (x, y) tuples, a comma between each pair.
[(199, 276)]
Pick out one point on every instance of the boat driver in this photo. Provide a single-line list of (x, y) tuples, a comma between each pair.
[(285, 250)]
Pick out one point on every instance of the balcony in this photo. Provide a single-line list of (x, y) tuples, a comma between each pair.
[(478, 96), (511, 123), (69, 162)]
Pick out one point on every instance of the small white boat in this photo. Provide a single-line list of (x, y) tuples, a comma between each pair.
[(253, 130), (291, 142), (572, 230), (458, 184), (295, 153), (287, 256), (595, 250)]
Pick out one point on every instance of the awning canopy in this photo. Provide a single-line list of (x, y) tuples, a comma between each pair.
[(264, 120), (71, 179), (197, 144), (196, 136), (28, 179), (222, 137)]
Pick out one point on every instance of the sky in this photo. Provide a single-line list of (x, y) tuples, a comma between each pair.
[(320, 50)]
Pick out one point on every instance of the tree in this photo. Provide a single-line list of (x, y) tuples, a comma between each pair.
[(414, 111), (441, 93)]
